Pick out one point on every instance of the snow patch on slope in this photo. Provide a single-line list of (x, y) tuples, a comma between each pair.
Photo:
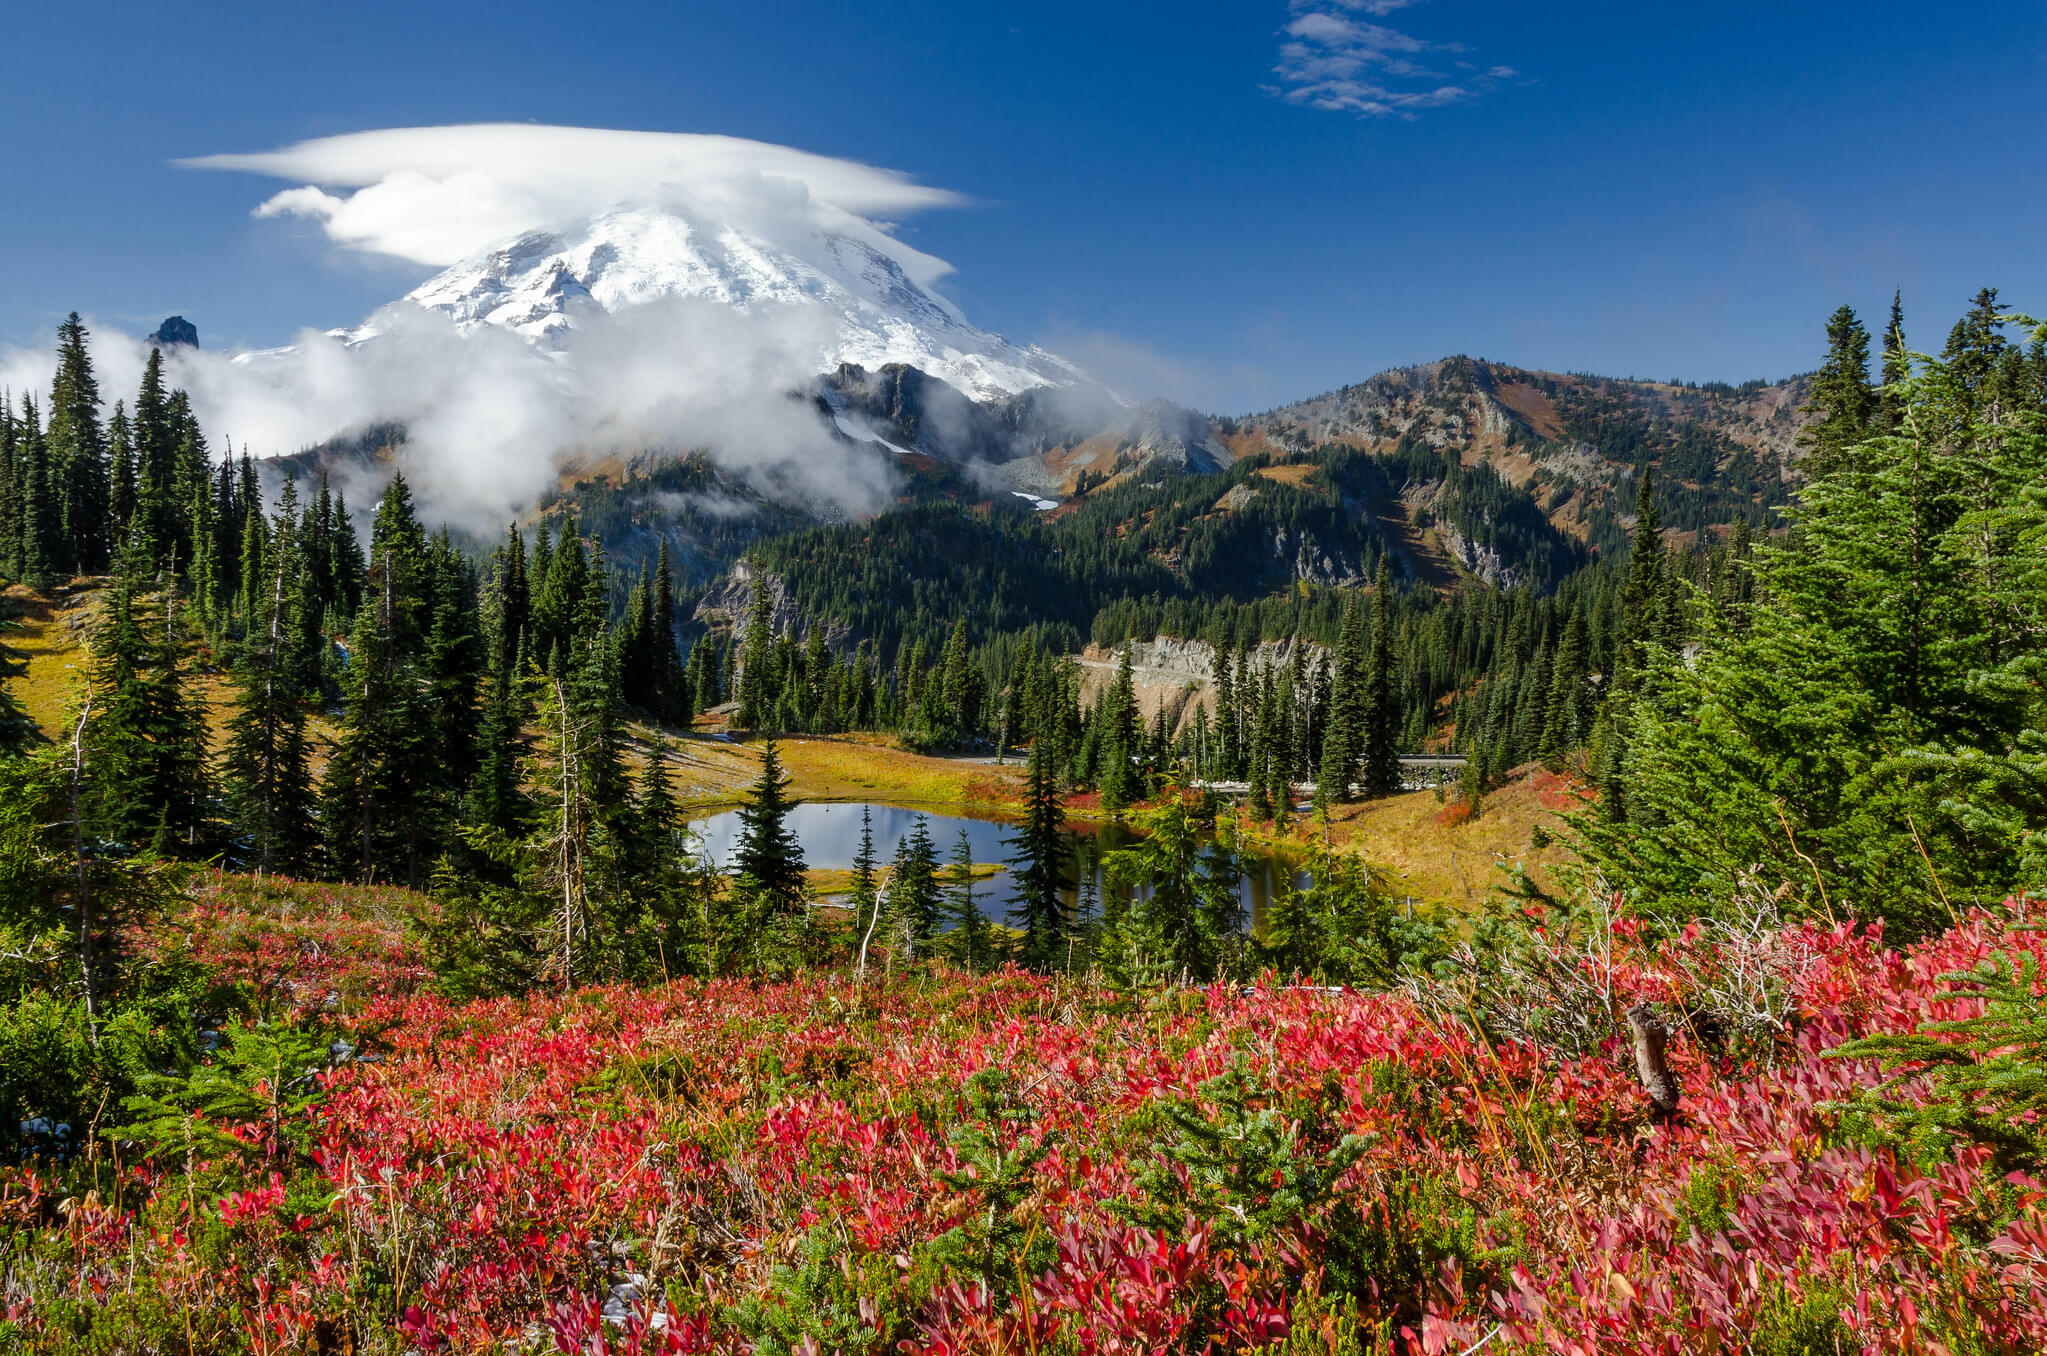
[(546, 285)]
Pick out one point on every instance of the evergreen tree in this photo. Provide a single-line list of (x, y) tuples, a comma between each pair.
[(757, 694), (377, 797), (767, 855), (144, 733), (155, 460), (1038, 865), (1863, 740), (1567, 714), (121, 486), (267, 770), (860, 896), (1897, 365), (962, 689), (1117, 716), (37, 552), (972, 945), (1843, 402), (1381, 705), (506, 701), (569, 842), (914, 900), (1186, 919), (672, 695), (1343, 735), (77, 454)]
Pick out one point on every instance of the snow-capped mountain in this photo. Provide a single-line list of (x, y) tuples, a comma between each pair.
[(538, 285)]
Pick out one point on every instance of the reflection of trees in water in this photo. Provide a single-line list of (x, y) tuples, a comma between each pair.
[(830, 834)]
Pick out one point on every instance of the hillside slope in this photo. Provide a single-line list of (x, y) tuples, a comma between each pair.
[(1577, 443)]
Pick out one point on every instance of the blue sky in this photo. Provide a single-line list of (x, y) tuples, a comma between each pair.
[(1650, 190)]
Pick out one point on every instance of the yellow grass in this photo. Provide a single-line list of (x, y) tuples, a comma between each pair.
[(837, 880), (50, 637), (1301, 475), (1424, 856), (53, 636), (712, 772)]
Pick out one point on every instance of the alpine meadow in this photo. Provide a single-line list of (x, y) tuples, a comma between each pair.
[(668, 792)]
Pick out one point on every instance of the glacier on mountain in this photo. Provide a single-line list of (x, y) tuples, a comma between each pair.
[(546, 284)]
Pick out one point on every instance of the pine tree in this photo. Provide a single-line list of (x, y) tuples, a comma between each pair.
[(971, 943), (1118, 715), (145, 735), (657, 818), (1862, 741), (380, 782), (1187, 919), (121, 486), (757, 693), (1381, 705), (767, 855), (961, 688), (506, 701), (155, 460), (1897, 365), (78, 457), (1842, 399), (1038, 865), (1567, 714), (1343, 735), (913, 891), (452, 664), (567, 839), (38, 547), (860, 894), (1228, 760), (267, 772), (672, 696)]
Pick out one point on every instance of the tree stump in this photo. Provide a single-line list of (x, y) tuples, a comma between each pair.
[(1651, 1038)]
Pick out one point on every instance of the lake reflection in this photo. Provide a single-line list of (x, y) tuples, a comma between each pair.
[(830, 835)]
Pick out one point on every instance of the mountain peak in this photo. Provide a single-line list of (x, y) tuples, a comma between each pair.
[(174, 331), (545, 284)]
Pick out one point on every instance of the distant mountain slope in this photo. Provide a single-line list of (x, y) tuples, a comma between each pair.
[(1158, 553), (1577, 443)]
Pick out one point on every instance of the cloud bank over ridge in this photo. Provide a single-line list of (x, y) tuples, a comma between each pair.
[(490, 419)]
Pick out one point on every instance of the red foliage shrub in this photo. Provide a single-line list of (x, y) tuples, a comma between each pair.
[(1014, 1164)]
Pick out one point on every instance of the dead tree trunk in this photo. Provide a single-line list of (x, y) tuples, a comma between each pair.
[(1651, 1037)]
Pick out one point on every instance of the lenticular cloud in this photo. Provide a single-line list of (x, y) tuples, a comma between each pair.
[(437, 195)]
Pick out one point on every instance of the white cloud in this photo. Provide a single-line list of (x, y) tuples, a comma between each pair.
[(437, 195), (490, 421), (1335, 61)]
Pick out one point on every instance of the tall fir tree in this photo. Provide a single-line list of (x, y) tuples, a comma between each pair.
[(768, 857), (1843, 404), (77, 452), (266, 770), (1343, 732), (1038, 865), (380, 782), (1383, 719), (145, 734), (969, 936)]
